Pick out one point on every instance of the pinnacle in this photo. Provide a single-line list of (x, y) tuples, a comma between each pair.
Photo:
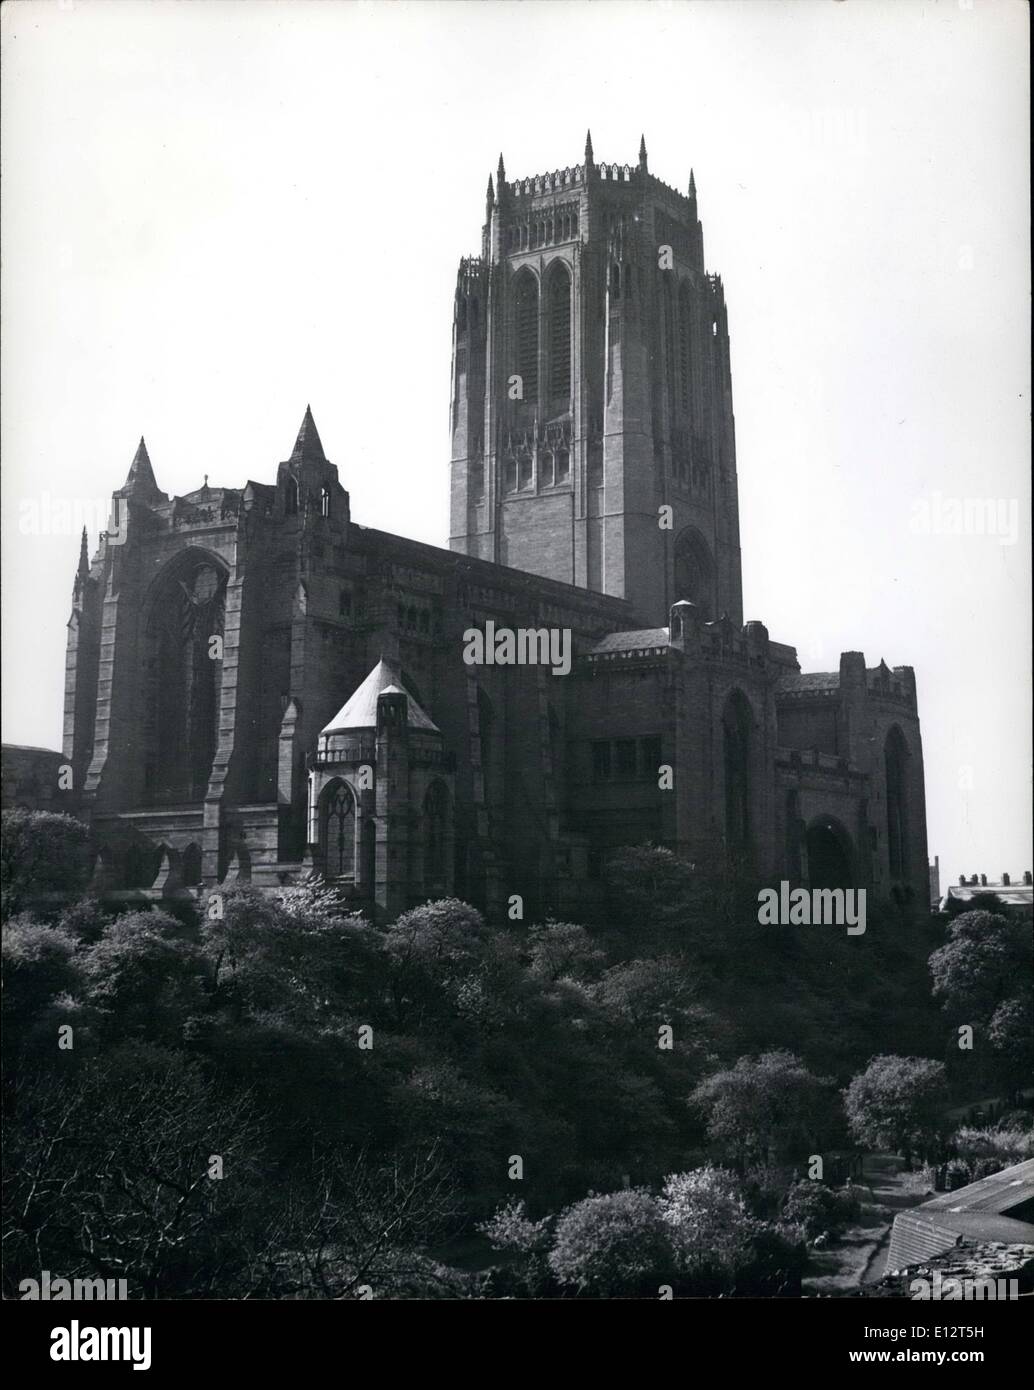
[(588, 147), (308, 445), (500, 174), (642, 149), (140, 481)]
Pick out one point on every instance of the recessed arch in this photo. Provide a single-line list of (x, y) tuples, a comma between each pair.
[(558, 301), (339, 829), (695, 572), (526, 332), (182, 631), (831, 857)]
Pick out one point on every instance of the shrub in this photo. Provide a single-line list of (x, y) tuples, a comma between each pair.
[(617, 1244), (819, 1210)]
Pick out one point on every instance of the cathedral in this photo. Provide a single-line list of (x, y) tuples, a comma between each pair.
[(260, 689)]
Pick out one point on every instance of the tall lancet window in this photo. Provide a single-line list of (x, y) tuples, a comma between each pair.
[(559, 332), (436, 824), (526, 331), (895, 756), (685, 350), (339, 831), (184, 663), (736, 723)]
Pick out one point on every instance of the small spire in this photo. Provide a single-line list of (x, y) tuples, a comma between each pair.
[(490, 194), (500, 175), (140, 481), (642, 151), (588, 147), (692, 185), (308, 445), (84, 556)]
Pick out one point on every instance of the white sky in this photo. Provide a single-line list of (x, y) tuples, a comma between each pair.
[(215, 213)]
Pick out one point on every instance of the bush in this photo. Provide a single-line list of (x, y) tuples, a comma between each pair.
[(618, 1244), (819, 1210), (956, 1174)]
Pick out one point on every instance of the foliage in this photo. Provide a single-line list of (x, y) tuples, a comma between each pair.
[(42, 855), (897, 1104), (614, 1245), (767, 1102), (819, 1210)]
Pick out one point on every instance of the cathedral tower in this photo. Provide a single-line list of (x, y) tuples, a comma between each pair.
[(591, 391)]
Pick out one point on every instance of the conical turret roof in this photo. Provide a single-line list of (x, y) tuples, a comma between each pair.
[(360, 709)]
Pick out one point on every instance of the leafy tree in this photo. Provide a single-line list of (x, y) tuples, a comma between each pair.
[(1011, 1035), (42, 858), (897, 1104), (707, 1214), (144, 977), (41, 973), (564, 950), (985, 961), (614, 1245), (772, 1101)]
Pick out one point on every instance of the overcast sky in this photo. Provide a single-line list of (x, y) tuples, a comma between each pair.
[(216, 213)]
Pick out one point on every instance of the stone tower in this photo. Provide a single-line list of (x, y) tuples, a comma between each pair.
[(591, 389)]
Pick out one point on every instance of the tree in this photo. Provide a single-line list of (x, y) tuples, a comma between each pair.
[(144, 977), (767, 1102), (355, 1220), (897, 1105), (110, 1173), (614, 1245), (708, 1217), (41, 973), (42, 859), (985, 961), (564, 950)]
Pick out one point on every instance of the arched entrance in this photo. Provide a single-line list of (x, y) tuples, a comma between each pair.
[(830, 855)]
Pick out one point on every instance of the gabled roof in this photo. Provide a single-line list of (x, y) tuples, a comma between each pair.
[(635, 640), (360, 709), (801, 681)]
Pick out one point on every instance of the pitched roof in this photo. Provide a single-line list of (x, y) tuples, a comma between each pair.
[(360, 709), (809, 680), (636, 640)]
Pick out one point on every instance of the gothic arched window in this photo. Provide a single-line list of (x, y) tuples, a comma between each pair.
[(436, 839), (324, 500), (563, 465), (526, 329), (291, 497), (560, 332), (339, 831), (183, 664), (736, 722), (895, 758), (694, 572)]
